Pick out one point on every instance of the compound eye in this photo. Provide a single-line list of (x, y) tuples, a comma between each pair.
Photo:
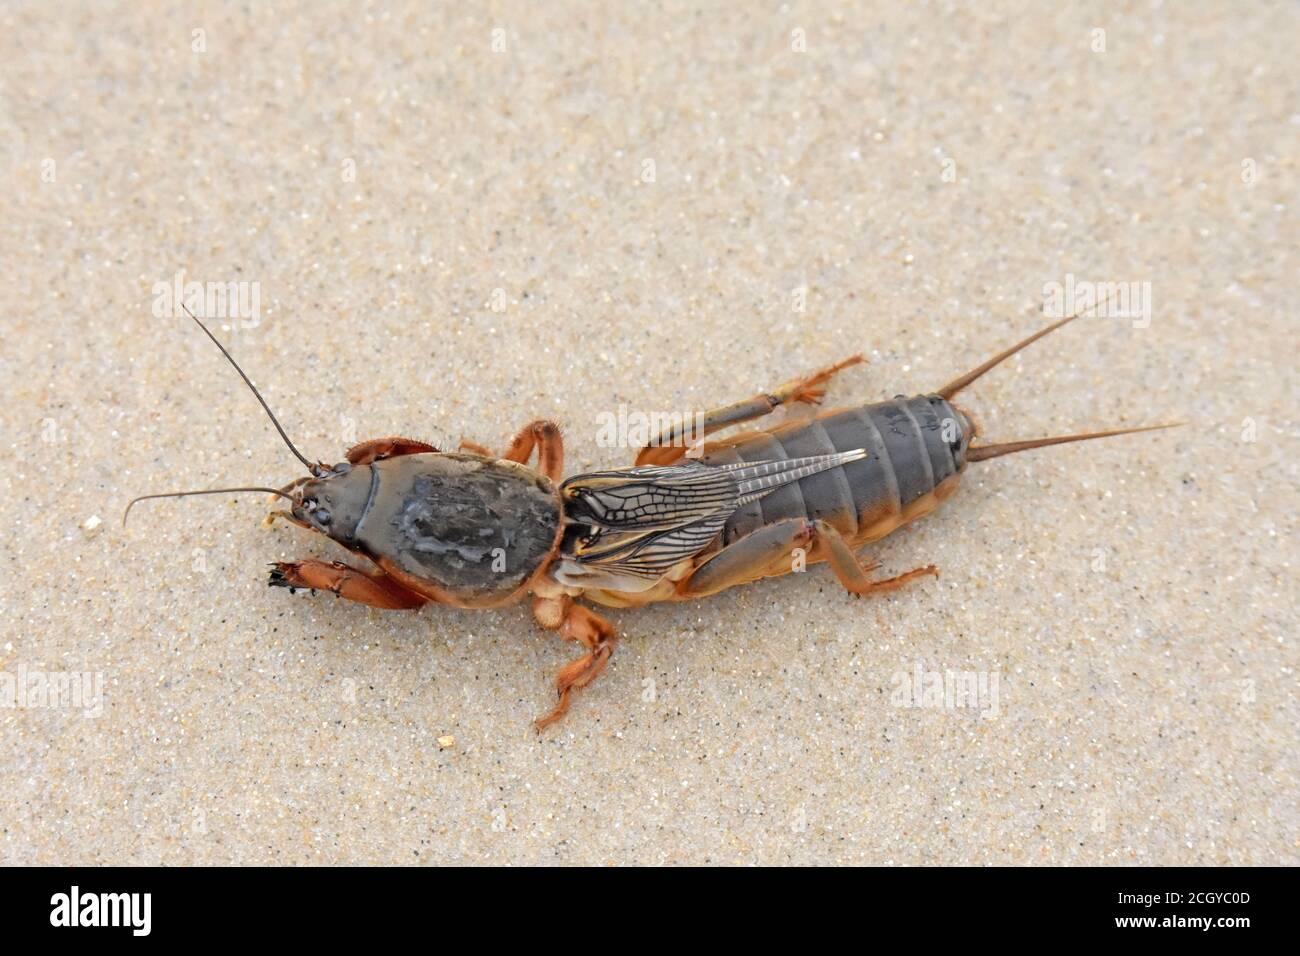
[(322, 516)]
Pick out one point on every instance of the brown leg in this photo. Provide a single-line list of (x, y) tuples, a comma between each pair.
[(575, 623), (769, 551), (670, 446), (545, 437), (377, 448), (762, 553), (374, 588), (852, 573), (542, 435)]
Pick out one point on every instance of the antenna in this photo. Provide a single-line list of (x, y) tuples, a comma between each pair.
[(314, 469)]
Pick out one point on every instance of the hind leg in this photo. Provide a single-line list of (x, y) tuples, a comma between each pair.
[(575, 623), (770, 551), (830, 544), (374, 588), (763, 553), (670, 445)]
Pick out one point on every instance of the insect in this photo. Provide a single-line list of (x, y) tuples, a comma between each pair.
[(472, 529)]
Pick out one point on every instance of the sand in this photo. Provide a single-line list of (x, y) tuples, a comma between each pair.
[(454, 221)]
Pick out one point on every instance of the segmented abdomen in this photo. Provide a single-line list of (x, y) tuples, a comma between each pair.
[(914, 445)]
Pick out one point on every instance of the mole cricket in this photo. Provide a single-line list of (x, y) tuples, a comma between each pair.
[(472, 529)]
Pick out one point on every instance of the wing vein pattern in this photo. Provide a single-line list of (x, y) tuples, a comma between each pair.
[(642, 521)]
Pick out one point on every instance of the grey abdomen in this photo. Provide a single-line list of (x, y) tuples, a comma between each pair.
[(914, 445)]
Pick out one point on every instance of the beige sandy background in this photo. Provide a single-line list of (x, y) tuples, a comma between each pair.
[(453, 230)]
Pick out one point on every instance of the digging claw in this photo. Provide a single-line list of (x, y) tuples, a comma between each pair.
[(284, 574)]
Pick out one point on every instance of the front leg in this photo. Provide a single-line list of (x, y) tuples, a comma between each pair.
[(378, 448), (374, 588)]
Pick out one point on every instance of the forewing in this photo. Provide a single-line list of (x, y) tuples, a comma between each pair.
[(641, 522)]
